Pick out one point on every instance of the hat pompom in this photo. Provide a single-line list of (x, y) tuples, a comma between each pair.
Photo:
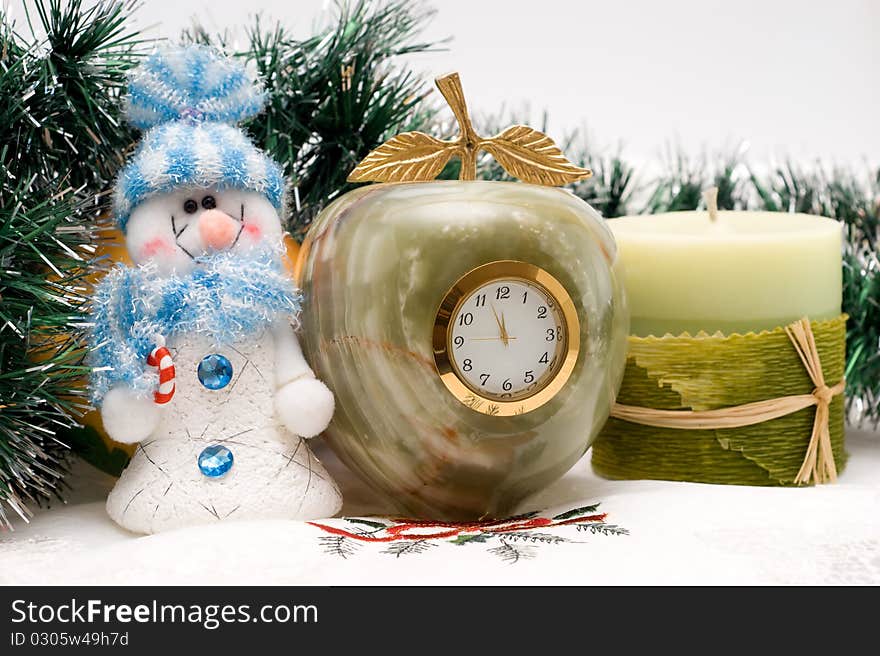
[(191, 82)]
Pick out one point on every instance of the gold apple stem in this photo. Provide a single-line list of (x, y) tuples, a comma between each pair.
[(469, 141)]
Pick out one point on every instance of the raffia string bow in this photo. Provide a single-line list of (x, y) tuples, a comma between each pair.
[(818, 463)]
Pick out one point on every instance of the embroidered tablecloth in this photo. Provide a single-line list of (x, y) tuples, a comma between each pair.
[(581, 530)]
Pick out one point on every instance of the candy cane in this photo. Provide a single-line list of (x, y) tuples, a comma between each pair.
[(161, 357)]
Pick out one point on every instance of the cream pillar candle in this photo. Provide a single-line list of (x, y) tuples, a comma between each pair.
[(728, 271)]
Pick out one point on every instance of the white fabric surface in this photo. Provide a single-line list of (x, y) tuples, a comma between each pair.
[(678, 533)]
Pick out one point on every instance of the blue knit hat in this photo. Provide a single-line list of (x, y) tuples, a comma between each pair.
[(189, 100)]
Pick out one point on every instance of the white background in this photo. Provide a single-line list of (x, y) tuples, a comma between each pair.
[(792, 78)]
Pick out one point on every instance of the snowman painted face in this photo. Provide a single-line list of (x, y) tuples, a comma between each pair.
[(174, 229)]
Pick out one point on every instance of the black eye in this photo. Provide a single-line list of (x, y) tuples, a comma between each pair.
[(190, 206), (209, 203)]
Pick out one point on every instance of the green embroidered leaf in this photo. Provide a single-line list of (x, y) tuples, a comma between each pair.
[(476, 537), (365, 522), (583, 510)]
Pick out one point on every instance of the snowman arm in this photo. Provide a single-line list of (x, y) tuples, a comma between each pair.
[(303, 403), (129, 417), (290, 363)]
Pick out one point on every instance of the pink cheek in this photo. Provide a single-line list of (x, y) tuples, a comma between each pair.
[(156, 246), (253, 231)]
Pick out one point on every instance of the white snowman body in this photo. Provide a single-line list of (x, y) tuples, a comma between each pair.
[(254, 424), (273, 473)]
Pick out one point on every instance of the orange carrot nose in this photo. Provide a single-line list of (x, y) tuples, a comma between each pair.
[(218, 229)]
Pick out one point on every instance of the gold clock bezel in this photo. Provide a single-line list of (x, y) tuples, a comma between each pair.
[(451, 303)]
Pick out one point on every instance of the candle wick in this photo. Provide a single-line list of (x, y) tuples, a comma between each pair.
[(710, 195)]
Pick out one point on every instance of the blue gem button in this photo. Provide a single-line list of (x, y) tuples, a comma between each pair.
[(215, 371), (215, 460)]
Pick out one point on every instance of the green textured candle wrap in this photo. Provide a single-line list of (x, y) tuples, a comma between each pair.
[(708, 372)]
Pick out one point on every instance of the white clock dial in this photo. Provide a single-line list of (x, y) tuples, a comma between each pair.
[(507, 339)]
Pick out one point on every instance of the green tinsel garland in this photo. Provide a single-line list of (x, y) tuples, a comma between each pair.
[(59, 146)]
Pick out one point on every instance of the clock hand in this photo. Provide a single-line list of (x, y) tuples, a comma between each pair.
[(487, 339), (501, 331), (504, 334), (497, 320)]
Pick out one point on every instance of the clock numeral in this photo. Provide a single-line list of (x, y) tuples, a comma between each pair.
[(466, 319), (542, 311), (525, 296), (507, 385), (484, 378), (467, 365), (529, 377), (545, 358), (458, 341), (480, 300), (551, 335), (502, 293)]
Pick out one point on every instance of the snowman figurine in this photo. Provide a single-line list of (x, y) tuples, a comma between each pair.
[(193, 349)]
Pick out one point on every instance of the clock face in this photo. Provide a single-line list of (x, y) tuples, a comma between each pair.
[(508, 343), (508, 336)]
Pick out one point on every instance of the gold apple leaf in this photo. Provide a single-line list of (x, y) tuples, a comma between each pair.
[(532, 156), (411, 156), (524, 153)]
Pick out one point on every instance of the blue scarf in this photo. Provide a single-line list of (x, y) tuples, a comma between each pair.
[(226, 297)]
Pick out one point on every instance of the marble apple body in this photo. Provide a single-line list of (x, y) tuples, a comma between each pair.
[(375, 266)]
